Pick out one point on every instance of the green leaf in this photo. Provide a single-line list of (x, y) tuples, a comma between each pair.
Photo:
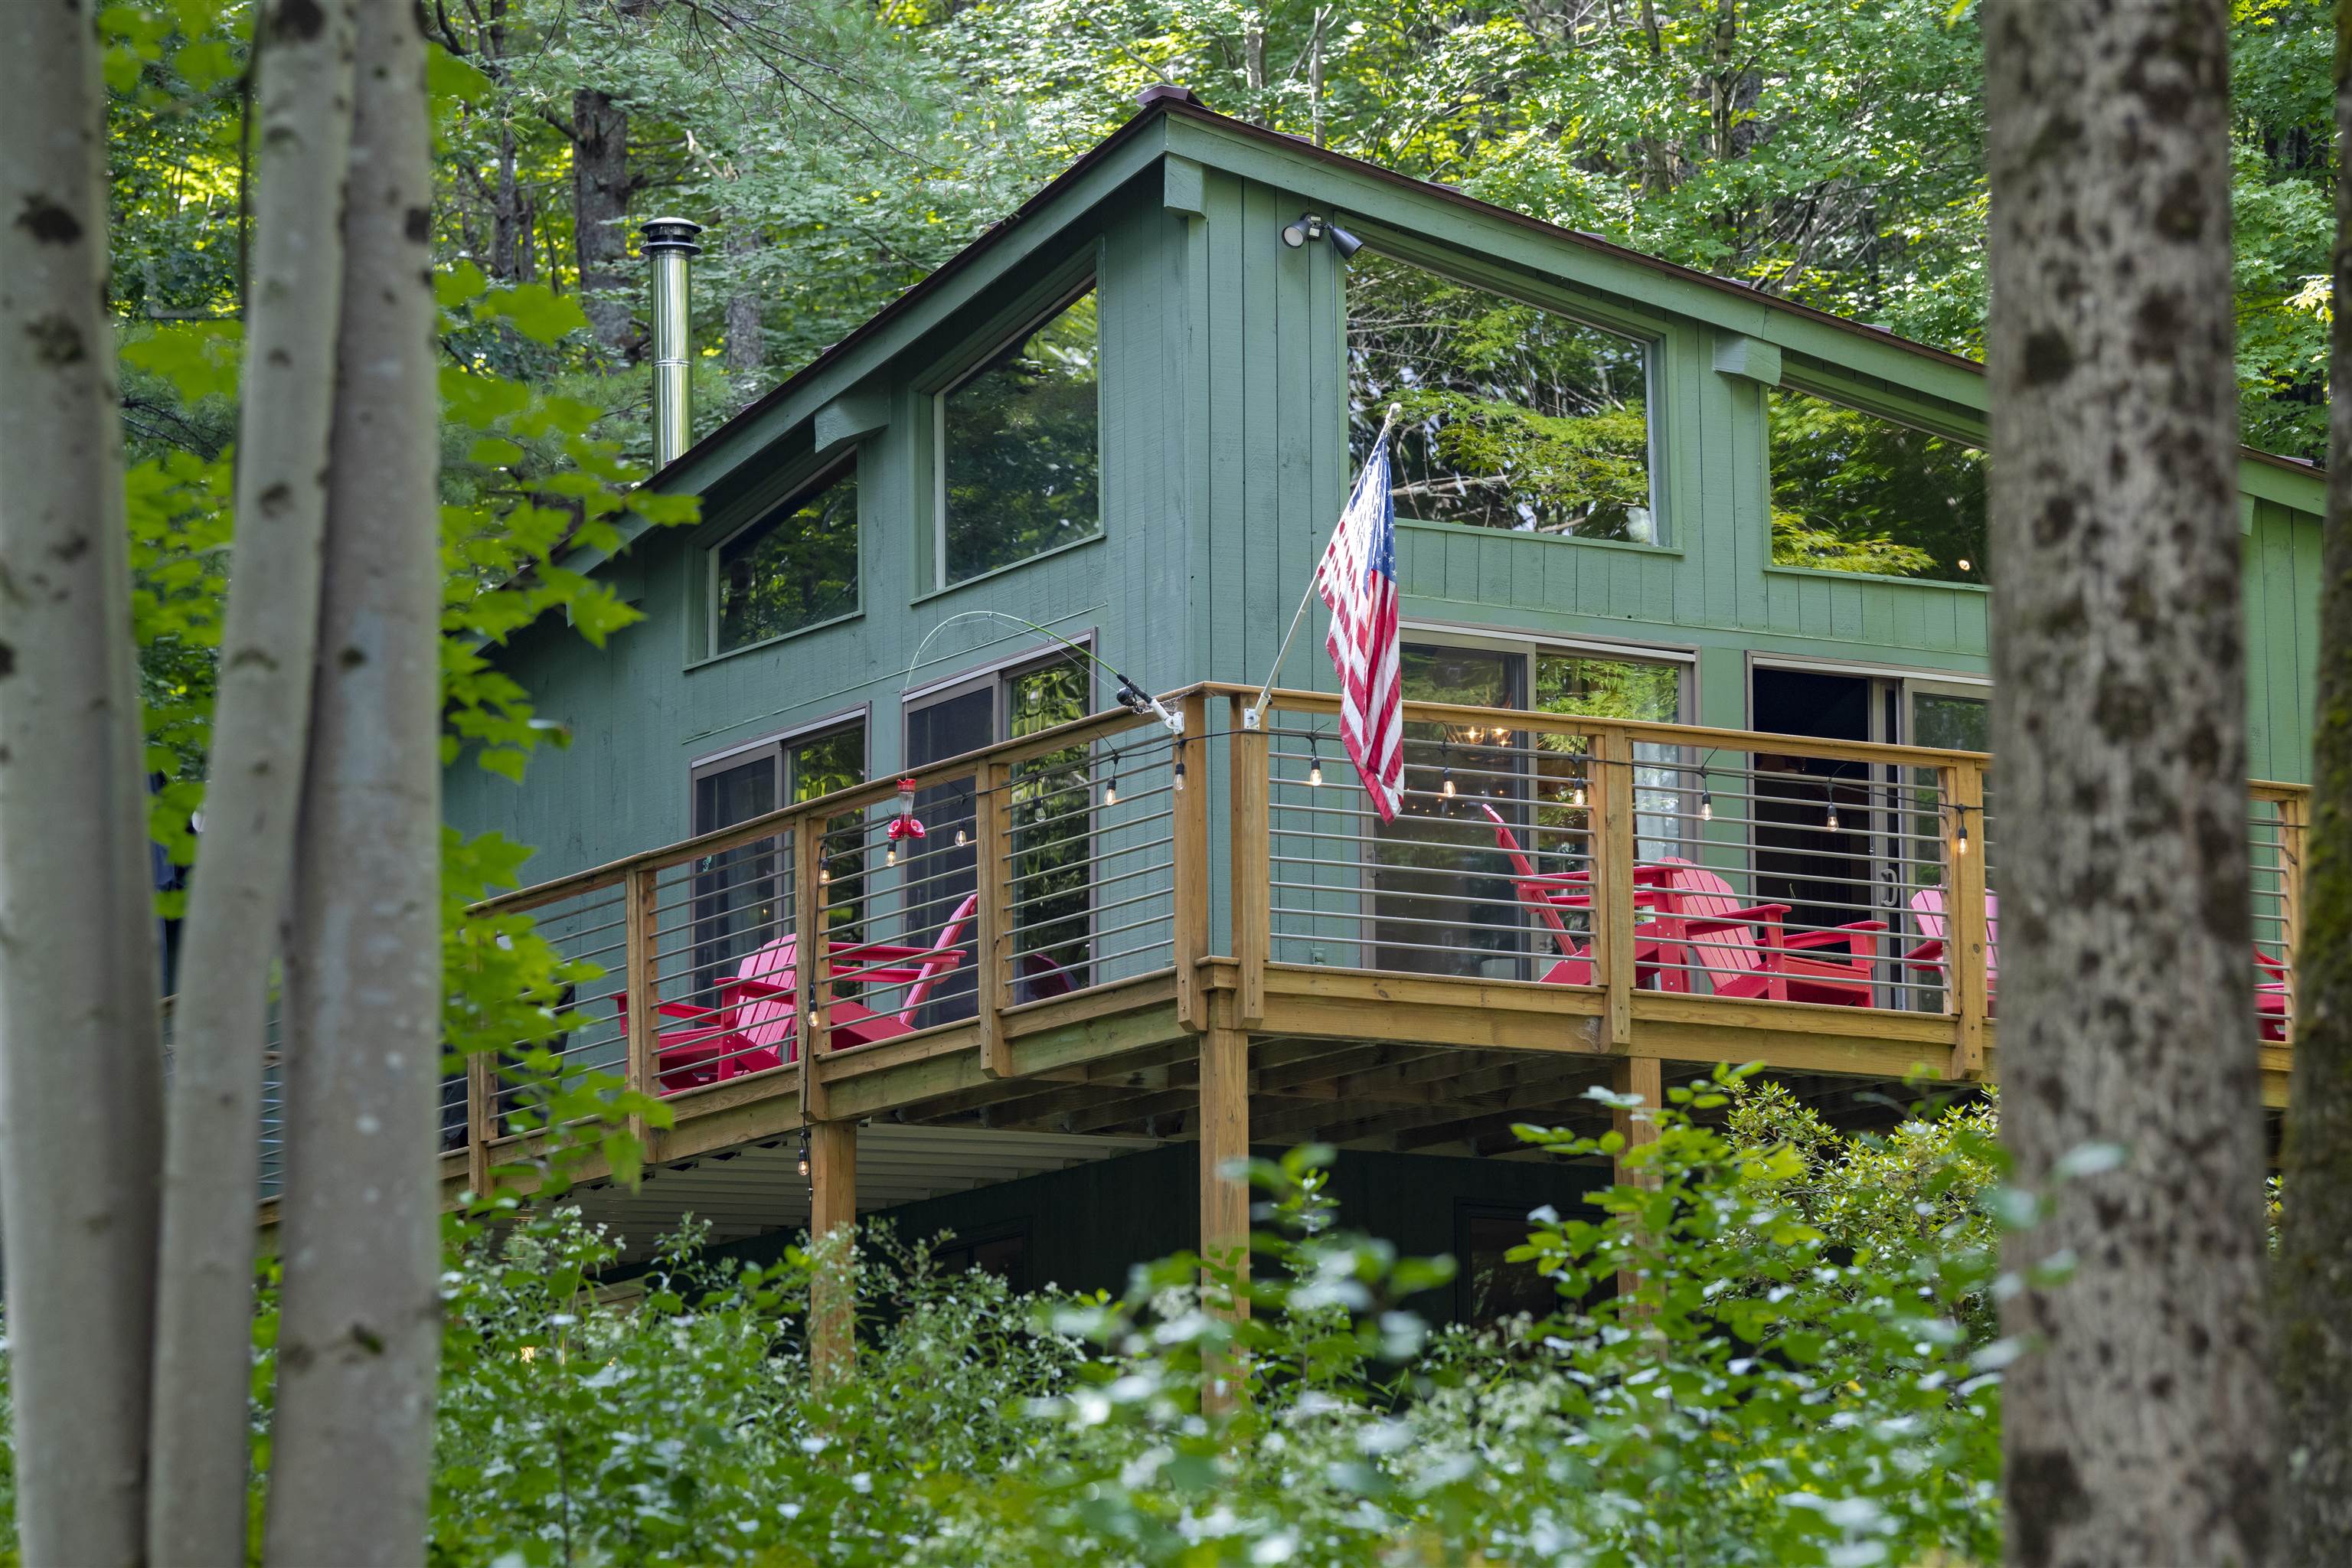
[(535, 310)]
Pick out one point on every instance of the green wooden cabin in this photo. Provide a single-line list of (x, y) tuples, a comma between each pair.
[(1132, 413)]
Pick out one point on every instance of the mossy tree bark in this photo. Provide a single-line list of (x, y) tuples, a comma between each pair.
[(2138, 1429), (80, 1053), (2315, 1254)]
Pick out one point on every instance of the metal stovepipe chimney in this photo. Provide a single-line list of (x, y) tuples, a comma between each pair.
[(668, 242)]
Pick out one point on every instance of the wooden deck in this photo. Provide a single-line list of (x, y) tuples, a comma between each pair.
[(1211, 938)]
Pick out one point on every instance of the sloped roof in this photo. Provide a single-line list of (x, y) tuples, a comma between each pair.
[(1160, 104)]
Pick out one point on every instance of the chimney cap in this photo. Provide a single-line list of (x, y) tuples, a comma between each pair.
[(1167, 92), (670, 234)]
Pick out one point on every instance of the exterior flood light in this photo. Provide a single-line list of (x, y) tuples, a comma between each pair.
[(1314, 225)]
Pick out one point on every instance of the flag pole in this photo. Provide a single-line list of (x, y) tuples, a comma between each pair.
[(1253, 715)]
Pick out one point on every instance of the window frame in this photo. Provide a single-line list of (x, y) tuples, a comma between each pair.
[(817, 480), (1068, 292), (1649, 334)]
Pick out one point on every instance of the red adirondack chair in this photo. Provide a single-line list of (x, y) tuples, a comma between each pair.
[(1746, 952), (755, 1026)]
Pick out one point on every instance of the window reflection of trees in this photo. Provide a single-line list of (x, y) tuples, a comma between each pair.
[(1853, 492), (1513, 418), (1051, 829), (1019, 448), (793, 568)]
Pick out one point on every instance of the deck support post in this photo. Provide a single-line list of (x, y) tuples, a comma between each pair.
[(812, 960), (832, 1214), (1645, 1077), (1968, 938), (640, 921), (992, 938), (2292, 836), (1612, 881), (1225, 1198), (1190, 849), (1252, 863)]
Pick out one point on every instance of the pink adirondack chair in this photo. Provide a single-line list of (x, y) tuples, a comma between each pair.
[(1746, 952), (755, 1026), (1575, 967), (1927, 910), (1935, 929)]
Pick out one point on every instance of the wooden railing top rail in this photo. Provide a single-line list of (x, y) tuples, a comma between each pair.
[(856, 797), (1118, 721)]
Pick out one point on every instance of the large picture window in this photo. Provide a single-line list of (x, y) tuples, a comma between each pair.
[(1514, 417), (793, 567), (1854, 493), (1019, 450)]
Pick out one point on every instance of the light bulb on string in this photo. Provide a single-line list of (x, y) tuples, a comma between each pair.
[(962, 837), (1705, 807), (1315, 764), (1446, 785), (1960, 845), (890, 855), (1833, 817), (1111, 791)]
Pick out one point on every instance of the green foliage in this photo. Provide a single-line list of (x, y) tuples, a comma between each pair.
[(1853, 492), (1020, 448)]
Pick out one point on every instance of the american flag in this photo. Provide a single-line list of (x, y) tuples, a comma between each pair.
[(1358, 581)]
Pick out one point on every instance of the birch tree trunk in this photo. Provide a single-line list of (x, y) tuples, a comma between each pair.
[(359, 1334), (2138, 1428), (80, 1055), (236, 905), (2314, 1270)]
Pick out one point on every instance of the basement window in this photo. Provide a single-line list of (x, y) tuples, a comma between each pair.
[(1018, 464), (1856, 493), (794, 567), (1514, 417)]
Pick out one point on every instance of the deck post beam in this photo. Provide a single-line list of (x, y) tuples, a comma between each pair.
[(1645, 1077), (833, 1216), (640, 924), (1190, 846), (1968, 936), (813, 963), (1612, 881), (1224, 1193), (993, 941), (1253, 893)]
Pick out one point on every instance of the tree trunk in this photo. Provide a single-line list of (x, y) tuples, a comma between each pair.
[(2314, 1270), (2138, 1428), (359, 1337), (599, 216), (746, 338), (236, 905), (80, 1055)]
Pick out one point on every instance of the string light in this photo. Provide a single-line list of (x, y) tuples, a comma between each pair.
[(1578, 799), (824, 874), (1180, 776), (890, 855), (1833, 817), (1315, 764), (962, 839), (1960, 846), (804, 1151), (1111, 791), (1446, 785), (1706, 805)]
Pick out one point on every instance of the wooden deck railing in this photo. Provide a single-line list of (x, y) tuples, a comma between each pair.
[(1631, 875)]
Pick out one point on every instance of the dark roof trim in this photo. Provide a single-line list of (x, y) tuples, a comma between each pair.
[(1178, 102)]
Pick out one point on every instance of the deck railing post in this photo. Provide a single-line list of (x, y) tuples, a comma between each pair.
[(1613, 880), (639, 893), (1966, 931), (993, 941), (1252, 870), (481, 1119), (1189, 845), (2292, 811), (812, 960)]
